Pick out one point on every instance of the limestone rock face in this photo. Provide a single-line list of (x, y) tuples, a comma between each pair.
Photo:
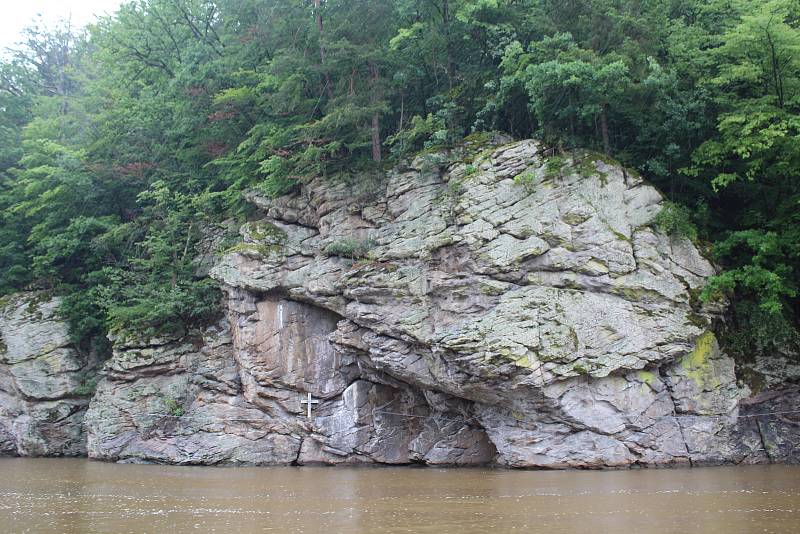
[(44, 380), (231, 395), (509, 308), (181, 401), (528, 295)]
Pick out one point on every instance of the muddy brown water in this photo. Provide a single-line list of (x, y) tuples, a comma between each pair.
[(81, 496)]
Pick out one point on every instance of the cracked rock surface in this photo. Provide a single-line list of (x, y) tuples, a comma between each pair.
[(508, 309), (43, 380), (534, 296)]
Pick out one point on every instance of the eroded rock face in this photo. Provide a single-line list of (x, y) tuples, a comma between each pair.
[(45, 382), (232, 395), (769, 428), (531, 293), (181, 401), (510, 309)]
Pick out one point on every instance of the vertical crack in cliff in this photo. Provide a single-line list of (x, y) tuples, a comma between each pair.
[(296, 460), (763, 439), (668, 383)]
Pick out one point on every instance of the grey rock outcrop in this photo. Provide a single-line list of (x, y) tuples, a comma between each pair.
[(530, 290), (45, 382), (232, 395), (509, 308), (514, 309), (180, 401), (771, 421)]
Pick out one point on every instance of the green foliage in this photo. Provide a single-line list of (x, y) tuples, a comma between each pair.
[(173, 407), (87, 387), (119, 145), (755, 331), (349, 248), (763, 266), (456, 187), (527, 180), (674, 219)]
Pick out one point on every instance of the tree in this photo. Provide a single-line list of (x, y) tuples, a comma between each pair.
[(118, 145)]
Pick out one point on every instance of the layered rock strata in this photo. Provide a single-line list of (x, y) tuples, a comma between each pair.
[(45, 381), (509, 308)]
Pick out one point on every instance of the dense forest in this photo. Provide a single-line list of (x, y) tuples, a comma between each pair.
[(122, 143)]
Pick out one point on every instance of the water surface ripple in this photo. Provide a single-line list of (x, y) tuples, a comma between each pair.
[(80, 496)]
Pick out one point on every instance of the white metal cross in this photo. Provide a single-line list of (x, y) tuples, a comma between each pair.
[(309, 401)]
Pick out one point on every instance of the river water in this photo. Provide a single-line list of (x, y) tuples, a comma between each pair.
[(81, 496)]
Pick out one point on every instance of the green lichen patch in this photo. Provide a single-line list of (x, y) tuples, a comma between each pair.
[(492, 288), (585, 162), (648, 377), (620, 235), (478, 139), (226, 244), (519, 416), (697, 364), (580, 369), (266, 233), (703, 348), (476, 147), (523, 361), (635, 294)]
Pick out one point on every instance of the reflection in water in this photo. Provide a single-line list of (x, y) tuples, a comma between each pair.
[(79, 496)]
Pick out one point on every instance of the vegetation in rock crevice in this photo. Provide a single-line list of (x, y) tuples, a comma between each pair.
[(349, 248)]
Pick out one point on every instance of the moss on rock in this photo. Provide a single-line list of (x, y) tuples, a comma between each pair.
[(698, 362)]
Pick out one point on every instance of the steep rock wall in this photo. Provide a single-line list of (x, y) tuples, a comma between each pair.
[(232, 395), (531, 290), (45, 382), (508, 308)]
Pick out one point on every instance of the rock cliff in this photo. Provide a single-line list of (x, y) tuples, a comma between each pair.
[(508, 308), (45, 382)]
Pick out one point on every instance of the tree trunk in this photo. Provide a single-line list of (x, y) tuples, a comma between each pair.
[(451, 67), (376, 138), (376, 122), (402, 111), (326, 75), (604, 130)]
